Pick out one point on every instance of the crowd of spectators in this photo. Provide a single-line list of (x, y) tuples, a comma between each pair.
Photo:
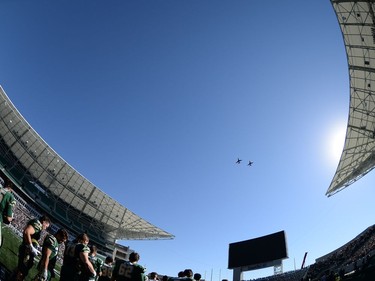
[(22, 214), (295, 275), (349, 259)]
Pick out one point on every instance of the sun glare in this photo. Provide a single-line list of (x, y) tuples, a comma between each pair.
[(335, 144)]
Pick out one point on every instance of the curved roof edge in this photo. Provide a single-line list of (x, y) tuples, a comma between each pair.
[(357, 23), (59, 189)]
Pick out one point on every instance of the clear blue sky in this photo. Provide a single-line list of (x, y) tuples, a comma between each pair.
[(153, 101)]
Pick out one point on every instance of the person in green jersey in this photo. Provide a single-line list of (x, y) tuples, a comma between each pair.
[(50, 250), (129, 270), (95, 261), (28, 250), (68, 269), (7, 203), (84, 269), (107, 268)]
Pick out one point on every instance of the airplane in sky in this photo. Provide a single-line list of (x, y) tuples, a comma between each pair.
[(250, 163), (238, 161)]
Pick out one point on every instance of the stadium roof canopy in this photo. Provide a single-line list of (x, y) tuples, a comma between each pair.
[(59, 189), (357, 23)]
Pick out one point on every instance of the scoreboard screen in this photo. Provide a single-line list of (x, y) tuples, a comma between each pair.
[(259, 250)]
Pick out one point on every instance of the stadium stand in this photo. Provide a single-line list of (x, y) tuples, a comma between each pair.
[(296, 275), (347, 262), (44, 179)]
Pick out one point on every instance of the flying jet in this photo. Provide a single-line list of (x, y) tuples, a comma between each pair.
[(250, 163), (238, 161)]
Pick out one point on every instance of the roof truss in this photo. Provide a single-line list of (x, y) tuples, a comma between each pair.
[(357, 23)]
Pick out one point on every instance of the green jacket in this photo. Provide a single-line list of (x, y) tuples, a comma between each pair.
[(7, 203)]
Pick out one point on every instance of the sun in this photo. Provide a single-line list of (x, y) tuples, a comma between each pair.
[(335, 142)]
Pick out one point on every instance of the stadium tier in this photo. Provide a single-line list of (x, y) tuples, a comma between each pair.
[(357, 23), (44, 178)]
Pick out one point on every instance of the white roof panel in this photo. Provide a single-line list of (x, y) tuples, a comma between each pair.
[(52, 182), (357, 23)]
